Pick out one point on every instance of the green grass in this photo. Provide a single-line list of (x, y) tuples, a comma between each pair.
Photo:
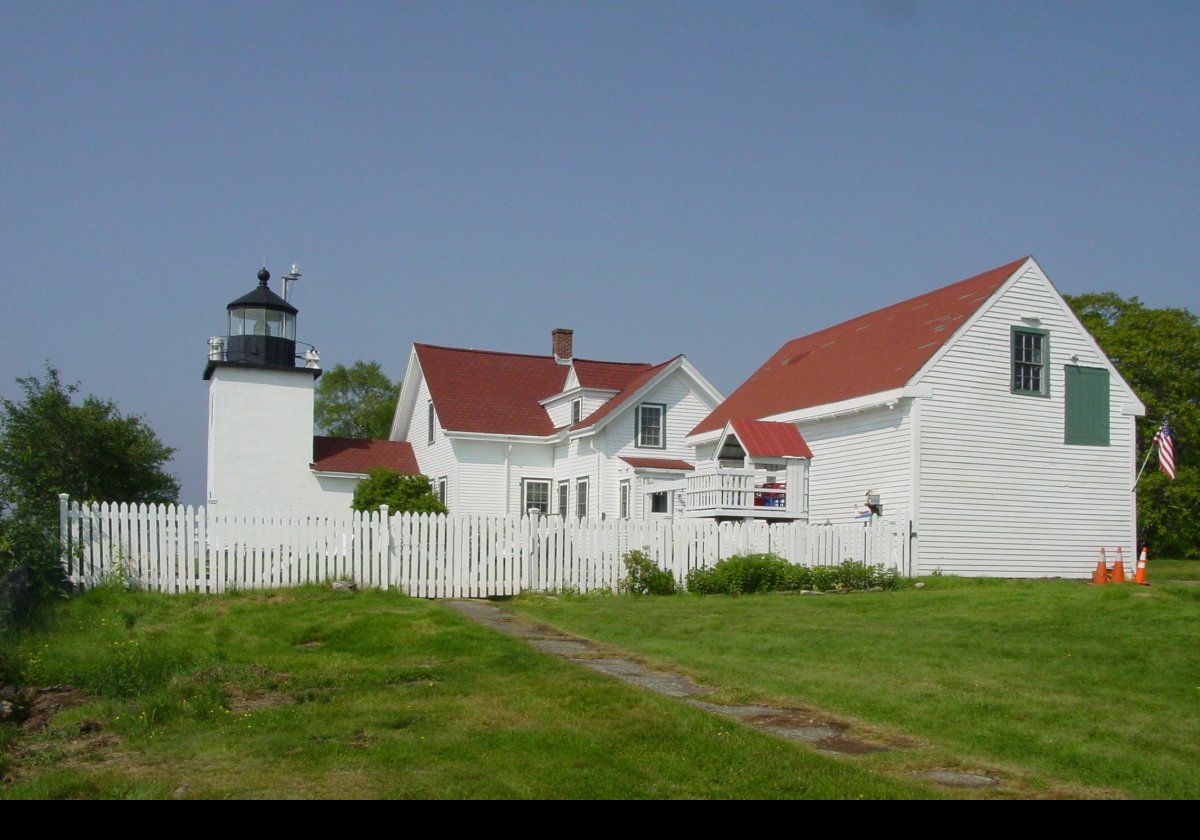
[(1092, 686), (1158, 571), (307, 693)]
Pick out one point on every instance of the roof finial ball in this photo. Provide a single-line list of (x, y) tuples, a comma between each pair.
[(263, 276)]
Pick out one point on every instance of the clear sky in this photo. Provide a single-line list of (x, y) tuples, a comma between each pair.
[(712, 179)]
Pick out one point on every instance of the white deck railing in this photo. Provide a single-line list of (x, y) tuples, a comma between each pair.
[(731, 491)]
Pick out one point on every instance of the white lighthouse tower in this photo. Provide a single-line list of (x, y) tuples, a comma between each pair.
[(260, 411)]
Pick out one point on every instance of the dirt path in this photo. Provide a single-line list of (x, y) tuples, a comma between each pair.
[(823, 733)]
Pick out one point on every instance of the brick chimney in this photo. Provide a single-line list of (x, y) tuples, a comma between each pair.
[(561, 341)]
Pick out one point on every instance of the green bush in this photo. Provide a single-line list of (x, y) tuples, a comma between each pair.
[(401, 493), (30, 570), (745, 574), (643, 577), (750, 573)]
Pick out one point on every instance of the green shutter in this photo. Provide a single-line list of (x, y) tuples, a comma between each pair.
[(1087, 406)]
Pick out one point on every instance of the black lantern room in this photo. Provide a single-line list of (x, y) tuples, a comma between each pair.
[(262, 328)]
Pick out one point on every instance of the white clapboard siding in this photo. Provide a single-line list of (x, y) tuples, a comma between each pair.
[(171, 548), (1001, 493)]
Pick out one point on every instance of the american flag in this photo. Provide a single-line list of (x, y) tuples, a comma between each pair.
[(1166, 450)]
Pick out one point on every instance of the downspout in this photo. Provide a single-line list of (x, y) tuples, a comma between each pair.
[(914, 483), (507, 479)]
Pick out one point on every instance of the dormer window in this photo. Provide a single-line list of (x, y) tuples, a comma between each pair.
[(576, 409), (651, 432)]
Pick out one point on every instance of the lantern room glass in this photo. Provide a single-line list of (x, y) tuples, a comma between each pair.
[(258, 321)]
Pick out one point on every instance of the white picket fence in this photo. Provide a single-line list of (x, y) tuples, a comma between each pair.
[(172, 548)]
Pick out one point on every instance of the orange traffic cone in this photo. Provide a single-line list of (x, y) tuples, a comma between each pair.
[(1118, 569), (1100, 576), (1139, 577)]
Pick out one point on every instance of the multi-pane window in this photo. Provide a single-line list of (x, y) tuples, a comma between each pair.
[(1030, 357), (430, 423), (576, 410), (650, 432), (660, 503), (564, 489), (624, 500), (535, 494), (581, 497)]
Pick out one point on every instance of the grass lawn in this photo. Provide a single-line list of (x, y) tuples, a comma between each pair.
[(308, 693), (1164, 570), (1093, 686)]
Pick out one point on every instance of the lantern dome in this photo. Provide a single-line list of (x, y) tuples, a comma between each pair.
[(262, 328)]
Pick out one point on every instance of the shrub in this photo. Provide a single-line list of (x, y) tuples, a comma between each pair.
[(30, 571), (401, 493), (750, 573), (644, 577), (745, 574)]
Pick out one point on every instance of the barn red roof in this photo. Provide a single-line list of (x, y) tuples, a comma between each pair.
[(349, 455), (879, 351), (631, 387), (500, 393), (657, 463), (764, 439)]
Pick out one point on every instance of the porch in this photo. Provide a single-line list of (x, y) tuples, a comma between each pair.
[(777, 494)]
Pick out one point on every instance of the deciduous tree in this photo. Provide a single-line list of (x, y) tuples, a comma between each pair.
[(356, 401), (1158, 353)]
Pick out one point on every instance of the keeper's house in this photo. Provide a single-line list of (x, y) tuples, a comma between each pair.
[(982, 412)]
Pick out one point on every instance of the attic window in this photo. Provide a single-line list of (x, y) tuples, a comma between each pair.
[(1030, 361), (651, 426), (576, 409)]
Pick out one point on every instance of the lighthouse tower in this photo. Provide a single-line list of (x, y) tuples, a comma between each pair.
[(260, 410)]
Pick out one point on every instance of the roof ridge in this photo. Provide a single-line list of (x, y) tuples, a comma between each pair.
[(541, 356)]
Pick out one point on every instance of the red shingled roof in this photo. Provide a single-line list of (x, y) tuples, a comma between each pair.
[(349, 455), (764, 439), (500, 393), (879, 351), (658, 463), (631, 387)]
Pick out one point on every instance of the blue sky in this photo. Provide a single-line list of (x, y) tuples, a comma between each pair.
[(712, 179)]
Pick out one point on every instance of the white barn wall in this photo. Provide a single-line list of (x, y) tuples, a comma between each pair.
[(1001, 494), (855, 453)]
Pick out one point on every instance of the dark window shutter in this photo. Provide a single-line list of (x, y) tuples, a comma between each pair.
[(1087, 406)]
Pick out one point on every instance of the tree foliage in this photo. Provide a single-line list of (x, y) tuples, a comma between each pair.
[(356, 401), (1158, 353), (51, 444), (401, 493)]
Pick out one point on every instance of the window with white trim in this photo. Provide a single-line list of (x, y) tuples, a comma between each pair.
[(430, 422), (651, 422), (623, 506), (581, 497), (441, 487), (1030, 361), (576, 409), (535, 493), (564, 493)]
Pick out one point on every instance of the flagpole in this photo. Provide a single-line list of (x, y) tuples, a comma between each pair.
[(1149, 452), (1145, 461)]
